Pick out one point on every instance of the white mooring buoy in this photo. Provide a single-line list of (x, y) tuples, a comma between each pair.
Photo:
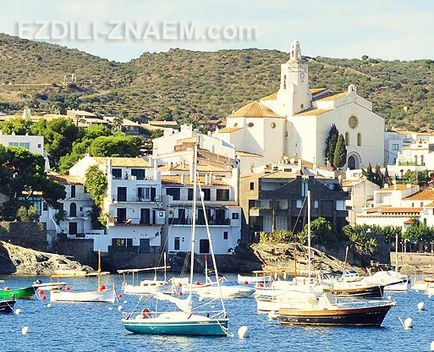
[(120, 308), (25, 330), (421, 306), (125, 302), (432, 346), (110, 308), (408, 323), (48, 305), (18, 311), (272, 315), (243, 332)]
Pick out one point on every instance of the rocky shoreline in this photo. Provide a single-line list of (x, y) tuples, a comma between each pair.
[(16, 260)]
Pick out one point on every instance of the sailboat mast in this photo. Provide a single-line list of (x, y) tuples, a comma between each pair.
[(193, 215), (99, 269), (396, 252), (211, 247), (309, 260)]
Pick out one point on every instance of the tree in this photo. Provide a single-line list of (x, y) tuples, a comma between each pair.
[(59, 135), (22, 175), (340, 154), (321, 231), (119, 145), (96, 184), (330, 142), (17, 125)]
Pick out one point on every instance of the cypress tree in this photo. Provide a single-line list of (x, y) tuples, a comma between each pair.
[(330, 142), (340, 155)]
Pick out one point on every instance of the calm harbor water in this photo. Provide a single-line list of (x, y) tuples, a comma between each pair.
[(96, 327)]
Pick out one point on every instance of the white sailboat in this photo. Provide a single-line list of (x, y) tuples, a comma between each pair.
[(101, 294), (145, 286), (392, 280), (186, 320)]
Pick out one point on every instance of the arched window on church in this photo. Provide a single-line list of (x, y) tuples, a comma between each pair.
[(422, 160), (415, 159), (347, 138), (359, 139), (284, 81)]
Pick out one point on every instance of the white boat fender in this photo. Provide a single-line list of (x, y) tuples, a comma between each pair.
[(243, 332), (421, 306), (17, 311), (407, 323), (25, 330), (432, 346), (120, 308), (125, 302)]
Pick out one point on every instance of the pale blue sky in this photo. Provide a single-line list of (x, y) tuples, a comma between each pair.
[(389, 29)]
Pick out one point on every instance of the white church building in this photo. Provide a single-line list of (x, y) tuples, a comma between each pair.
[(295, 122)]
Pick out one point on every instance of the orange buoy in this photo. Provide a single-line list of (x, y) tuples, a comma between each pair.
[(44, 298), (246, 282), (102, 288), (7, 288), (120, 295), (198, 282), (41, 292)]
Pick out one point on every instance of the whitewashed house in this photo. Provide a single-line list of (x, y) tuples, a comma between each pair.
[(34, 144), (132, 204), (220, 191)]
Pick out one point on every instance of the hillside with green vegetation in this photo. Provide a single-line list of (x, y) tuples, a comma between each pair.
[(191, 86)]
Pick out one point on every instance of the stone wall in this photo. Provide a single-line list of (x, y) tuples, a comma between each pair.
[(25, 234), (81, 249)]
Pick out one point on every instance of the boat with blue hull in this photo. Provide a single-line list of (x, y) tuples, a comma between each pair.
[(178, 323)]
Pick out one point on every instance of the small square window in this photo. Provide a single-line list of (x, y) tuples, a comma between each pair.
[(235, 216), (225, 235), (252, 186)]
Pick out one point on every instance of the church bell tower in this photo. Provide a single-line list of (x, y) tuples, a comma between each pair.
[(294, 94)]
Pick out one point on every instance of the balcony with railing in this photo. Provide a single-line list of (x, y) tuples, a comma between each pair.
[(136, 199), (199, 221), (118, 221)]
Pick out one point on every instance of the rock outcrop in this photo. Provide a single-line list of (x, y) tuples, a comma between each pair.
[(293, 258), (24, 261)]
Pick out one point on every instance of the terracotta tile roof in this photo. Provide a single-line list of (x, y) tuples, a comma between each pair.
[(426, 194), (349, 183), (66, 179), (280, 174), (229, 129), (270, 97), (313, 112), (316, 90), (399, 187), (177, 180), (334, 96), (124, 162), (243, 154), (255, 109), (200, 168), (393, 210)]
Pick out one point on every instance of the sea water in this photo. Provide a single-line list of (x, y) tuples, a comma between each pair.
[(96, 327)]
